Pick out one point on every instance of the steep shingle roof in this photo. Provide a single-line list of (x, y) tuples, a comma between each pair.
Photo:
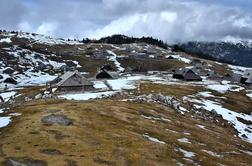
[(63, 78)]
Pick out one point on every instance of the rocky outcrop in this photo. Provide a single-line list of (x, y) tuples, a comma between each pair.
[(169, 101)]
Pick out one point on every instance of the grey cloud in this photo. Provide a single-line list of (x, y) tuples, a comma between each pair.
[(169, 20), (11, 12)]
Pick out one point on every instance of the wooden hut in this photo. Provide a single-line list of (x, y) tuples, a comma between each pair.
[(105, 74), (72, 81), (186, 74)]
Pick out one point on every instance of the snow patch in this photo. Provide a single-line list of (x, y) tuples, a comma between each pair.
[(205, 94), (120, 84), (238, 69), (153, 139), (172, 131), (249, 94), (212, 153), (36, 38), (100, 85), (225, 87), (4, 121), (184, 140), (201, 126), (187, 154), (5, 40), (113, 58), (87, 96), (180, 58), (155, 118)]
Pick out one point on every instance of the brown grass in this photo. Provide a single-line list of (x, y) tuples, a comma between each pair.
[(110, 133), (170, 90), (239, 102)]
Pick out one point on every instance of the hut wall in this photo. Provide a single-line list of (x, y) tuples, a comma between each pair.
[(178, 76), (71, 88), (243, 80), (192, 77), (103, 75)]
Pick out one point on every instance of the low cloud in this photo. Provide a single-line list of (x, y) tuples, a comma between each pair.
[(183, 22)]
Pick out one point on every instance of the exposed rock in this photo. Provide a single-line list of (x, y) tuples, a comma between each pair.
[(57, 134), (71, 162), (8, 71), (41, 66), (70, 64), (58, 119), (24, 162), (51, 151), (244, 136), (10, 81), (244, 121), (159, 98), (38, 96)]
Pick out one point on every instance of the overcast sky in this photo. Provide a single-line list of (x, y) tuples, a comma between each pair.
[(169, 20)]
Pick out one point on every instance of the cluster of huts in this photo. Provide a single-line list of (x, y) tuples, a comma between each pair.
[(75, 81), (192, 75)]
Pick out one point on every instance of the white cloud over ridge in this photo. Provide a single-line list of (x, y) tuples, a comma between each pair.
[(169, 20)]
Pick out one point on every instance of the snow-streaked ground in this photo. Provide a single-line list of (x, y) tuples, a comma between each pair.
[(31, 78), (155, 118), (212, 153), (100, 85), (120, 84), (186, 153), (227, 114), (180, 58), (249, 94), (5, 40), (153, 139), (238, 69), (224, 87), (231, 117), (113, 58), (7, 95), (25, 55), (46, 40)]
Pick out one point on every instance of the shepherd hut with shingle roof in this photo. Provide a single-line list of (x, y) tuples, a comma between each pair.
[(72, 81), (186, 74)]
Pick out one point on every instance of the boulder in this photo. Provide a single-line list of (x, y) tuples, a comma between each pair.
[(57, 119), (8, 71), (10, 81), (70, 64)]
